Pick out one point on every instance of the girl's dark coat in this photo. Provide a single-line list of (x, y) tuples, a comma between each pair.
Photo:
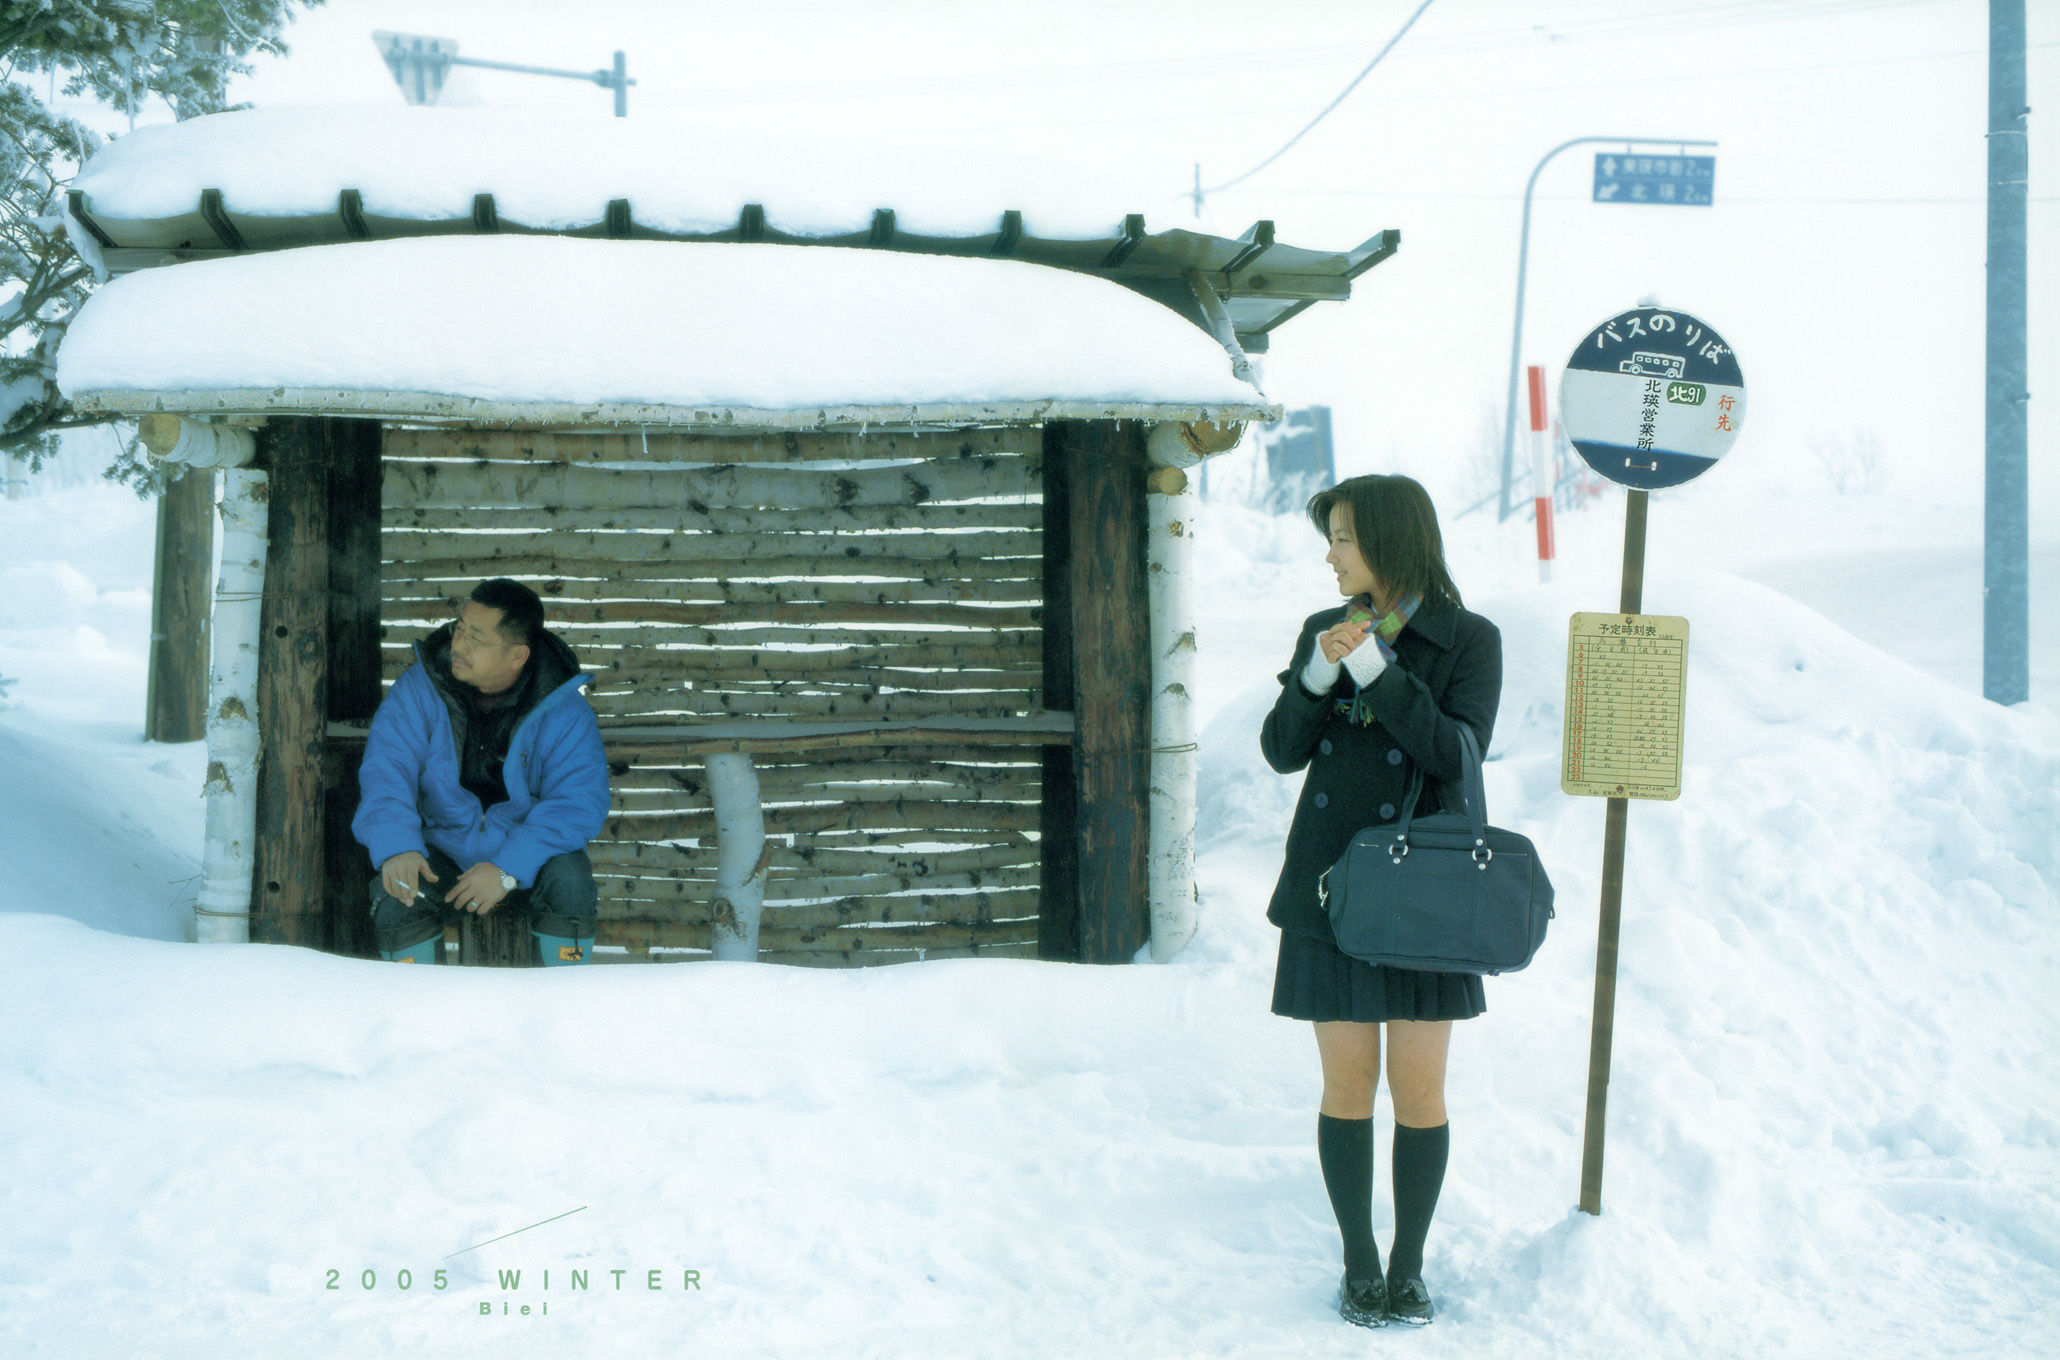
[(1448, 669)]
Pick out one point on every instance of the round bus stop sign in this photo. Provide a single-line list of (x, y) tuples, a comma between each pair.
[(1652, 398)]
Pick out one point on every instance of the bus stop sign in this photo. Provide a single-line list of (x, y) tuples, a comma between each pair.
[(1652, 398)]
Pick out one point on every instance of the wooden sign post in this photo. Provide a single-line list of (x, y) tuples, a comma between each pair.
[(1651, 398), (1627, 676)]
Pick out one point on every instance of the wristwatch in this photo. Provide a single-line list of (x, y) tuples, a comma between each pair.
[(507, 881)]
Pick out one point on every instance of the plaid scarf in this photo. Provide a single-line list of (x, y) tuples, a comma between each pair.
[(1386, 629)]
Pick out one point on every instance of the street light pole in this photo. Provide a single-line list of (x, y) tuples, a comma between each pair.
[(420, 64), (1516, 339)]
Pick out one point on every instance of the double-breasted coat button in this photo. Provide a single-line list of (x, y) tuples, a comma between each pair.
[(1325, 746), (1323, 800), (1387, 812), (1394, 757)]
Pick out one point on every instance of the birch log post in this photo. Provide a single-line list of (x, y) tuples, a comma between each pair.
[(222, 914), (1171, 510), (740, 852)]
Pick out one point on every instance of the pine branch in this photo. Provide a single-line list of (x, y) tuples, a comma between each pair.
[(116, 51)]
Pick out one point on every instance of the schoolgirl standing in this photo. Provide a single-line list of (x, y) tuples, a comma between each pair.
[(1376, 691)]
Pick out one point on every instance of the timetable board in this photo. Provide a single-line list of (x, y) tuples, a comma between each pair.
[(1626, 693)]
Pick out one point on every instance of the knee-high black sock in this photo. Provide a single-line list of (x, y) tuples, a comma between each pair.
[(1345, 1148), (1419, 1170)]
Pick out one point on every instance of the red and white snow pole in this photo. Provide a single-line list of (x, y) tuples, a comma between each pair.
[(1541, 472)]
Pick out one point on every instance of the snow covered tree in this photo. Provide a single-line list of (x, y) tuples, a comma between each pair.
[(119, 54)]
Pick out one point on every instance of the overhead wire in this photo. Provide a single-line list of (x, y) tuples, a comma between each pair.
[(1363, 73), (1188, 67), (1644, 24), (1966, 199), (1670, 79)]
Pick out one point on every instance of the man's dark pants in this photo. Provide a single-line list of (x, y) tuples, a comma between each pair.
[(560, 902)]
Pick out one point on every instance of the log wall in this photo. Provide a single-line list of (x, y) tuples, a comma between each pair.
[(779, 580)]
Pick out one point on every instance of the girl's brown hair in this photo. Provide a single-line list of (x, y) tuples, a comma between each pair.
[(1397, 529)]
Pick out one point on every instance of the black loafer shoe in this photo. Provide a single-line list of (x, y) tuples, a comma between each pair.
[(1409, 1301), (1363, 1303)]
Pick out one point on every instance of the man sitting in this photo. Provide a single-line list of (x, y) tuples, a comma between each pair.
[(484, 774)]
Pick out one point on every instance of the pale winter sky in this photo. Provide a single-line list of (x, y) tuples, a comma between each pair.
[(1843, 257)]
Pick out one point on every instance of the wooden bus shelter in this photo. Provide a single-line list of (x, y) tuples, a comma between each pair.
[(942, 645)]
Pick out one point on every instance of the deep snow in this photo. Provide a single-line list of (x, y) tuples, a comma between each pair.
[(1832, 1125)]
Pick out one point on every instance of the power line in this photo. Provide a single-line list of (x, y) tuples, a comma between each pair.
[(1199, 191), (1469, 95), (1579, 198), (1187, 67), (1641, 25)]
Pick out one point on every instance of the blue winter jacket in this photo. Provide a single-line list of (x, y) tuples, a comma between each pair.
[(556, 774)]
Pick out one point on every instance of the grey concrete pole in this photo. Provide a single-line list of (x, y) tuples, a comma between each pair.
[(2006, 551)]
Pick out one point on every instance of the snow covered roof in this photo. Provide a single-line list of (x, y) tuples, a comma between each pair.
[(557, 173), (267, 179), (558, 330)]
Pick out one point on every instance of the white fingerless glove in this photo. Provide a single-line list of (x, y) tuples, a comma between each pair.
[(1319, 675), (1365, 662)]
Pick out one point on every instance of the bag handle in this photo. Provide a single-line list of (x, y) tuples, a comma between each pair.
[(1473, 784), (1472, 789)]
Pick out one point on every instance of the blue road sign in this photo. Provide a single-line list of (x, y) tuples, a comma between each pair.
[(1652, 398), (1680, 180)]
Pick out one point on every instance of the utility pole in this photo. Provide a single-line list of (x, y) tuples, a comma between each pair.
[(2006, 538)]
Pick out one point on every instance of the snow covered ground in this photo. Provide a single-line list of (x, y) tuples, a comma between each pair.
[(1832, 1119)]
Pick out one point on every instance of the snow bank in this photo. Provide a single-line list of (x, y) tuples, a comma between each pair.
[(558, 171), (1829, 1091), (1831, 1119), (553, 319), (105, 832)]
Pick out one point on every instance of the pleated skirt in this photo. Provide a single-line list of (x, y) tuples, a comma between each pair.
[(1313, 981)]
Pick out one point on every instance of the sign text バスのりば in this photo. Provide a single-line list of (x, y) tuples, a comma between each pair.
[(1652, 398)]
